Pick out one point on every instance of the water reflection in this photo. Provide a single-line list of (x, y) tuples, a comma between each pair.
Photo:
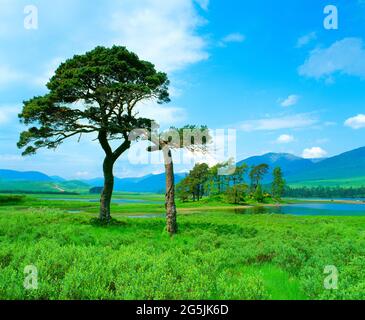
[(309, 209), (253, 210)]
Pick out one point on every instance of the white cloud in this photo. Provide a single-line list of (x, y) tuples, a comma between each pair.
[(306, 39), (233, 37), (356, 122), (285, 138), (287, 122), (314, 153), (164, 115), (163, 32), (290, 101), (346, 56)]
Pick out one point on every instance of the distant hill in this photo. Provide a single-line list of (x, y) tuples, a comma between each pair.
[(57, 178), (17, 181), (34, 181), (149, 183), (346, 169), (12, 175), (347, 165)]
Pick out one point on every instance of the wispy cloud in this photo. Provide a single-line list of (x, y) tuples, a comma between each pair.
[(346, 56), (306, 39), (11, 158), (296, 121), (231, 38), (356, 122), (290, 101)]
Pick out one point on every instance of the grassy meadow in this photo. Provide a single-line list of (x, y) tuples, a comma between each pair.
[(218, 254)]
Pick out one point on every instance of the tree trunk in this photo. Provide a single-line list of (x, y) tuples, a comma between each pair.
[(170, 205), (106, 194)]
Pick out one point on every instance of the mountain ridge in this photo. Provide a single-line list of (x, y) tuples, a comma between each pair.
[(347, 165)]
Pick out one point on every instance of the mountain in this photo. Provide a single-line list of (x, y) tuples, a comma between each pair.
[(58, 179), (289, 163), (149, 183), (346, 169), (11, 175), (347, 165), (34, 181)]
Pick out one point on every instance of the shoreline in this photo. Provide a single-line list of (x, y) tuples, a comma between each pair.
[(329, 201)]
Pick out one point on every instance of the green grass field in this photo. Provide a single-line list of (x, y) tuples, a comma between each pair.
[(217, 254)]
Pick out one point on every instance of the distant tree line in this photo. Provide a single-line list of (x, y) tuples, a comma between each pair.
[(242, 184), (325, 192)]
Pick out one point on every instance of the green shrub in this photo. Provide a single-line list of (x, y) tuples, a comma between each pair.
[(11, 200)]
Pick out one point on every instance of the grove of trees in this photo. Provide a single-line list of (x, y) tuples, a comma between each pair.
[(244, 184)]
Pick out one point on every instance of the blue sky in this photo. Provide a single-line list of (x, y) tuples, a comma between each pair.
[(268, 69)]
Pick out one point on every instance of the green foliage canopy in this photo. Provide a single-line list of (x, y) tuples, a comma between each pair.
[(94, 92)]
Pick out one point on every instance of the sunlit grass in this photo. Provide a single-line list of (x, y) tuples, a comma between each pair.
[(216, 255)]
